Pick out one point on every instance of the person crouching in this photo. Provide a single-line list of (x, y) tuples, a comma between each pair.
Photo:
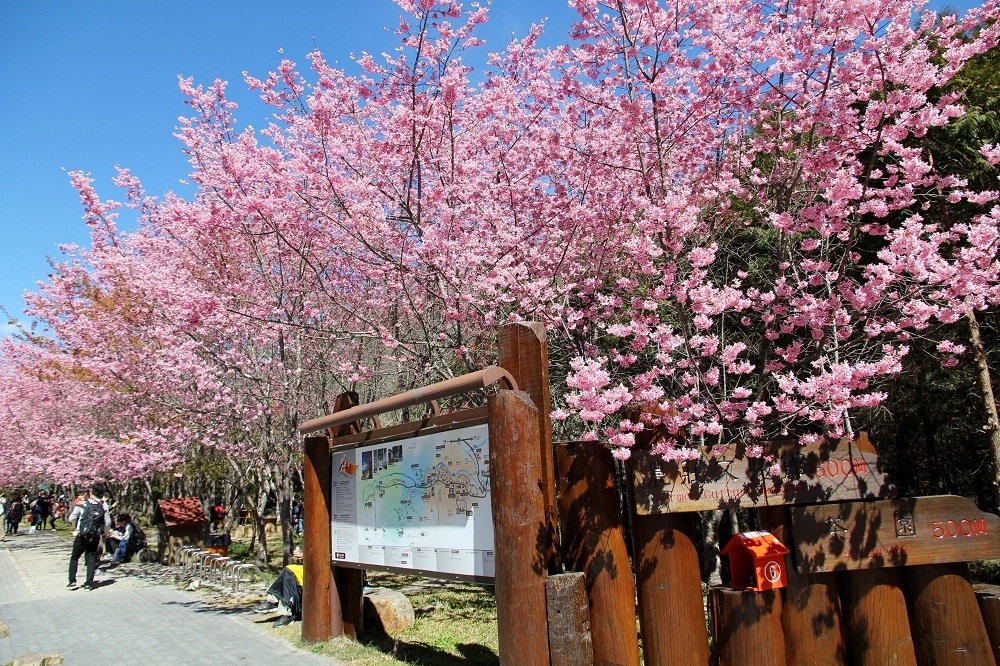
[(125, 540)]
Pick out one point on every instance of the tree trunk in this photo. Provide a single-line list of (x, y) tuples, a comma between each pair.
[(992, 426), (258, 516), (285, 515), (711, 521)]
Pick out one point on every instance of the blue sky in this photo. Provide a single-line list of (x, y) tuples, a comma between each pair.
[(91, 85)]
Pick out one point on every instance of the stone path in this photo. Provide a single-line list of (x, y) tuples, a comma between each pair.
[(128, 619)]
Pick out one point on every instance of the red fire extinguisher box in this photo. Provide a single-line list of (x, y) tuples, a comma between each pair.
[(756, 561)]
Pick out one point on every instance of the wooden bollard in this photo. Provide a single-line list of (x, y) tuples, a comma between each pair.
[(668, 578), (876, 627), (810, 609), (988, 597), (519, 528), (570, 641), (945, 620), (746, 627), (594, 543)]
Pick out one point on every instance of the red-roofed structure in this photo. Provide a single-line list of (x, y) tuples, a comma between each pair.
[(180, 522)]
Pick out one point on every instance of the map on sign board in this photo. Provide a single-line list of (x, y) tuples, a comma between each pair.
[(420, 504), (725, 477)]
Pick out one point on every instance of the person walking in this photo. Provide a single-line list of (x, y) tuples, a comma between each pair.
[(3, 517), (91, 520), (39, 512)]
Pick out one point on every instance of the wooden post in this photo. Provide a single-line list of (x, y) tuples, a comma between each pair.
[(810, 609), (989, 605), (594, 543), (321, 619), (945, 620), (520, 529), (524, 354), (349, 583), (322, 614), (668, 578), (570, 642), (747, 627), (876, 629)]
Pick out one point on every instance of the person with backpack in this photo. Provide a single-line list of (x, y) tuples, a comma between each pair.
[(39, 512), (91, 520)]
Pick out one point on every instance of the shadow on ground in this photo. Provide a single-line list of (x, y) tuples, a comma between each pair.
[(428, 655), (201, 606)]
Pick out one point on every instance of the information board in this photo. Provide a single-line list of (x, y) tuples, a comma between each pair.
[(420, 504)]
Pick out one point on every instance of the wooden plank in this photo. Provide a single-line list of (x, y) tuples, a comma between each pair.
[(876, 625), (831, 471), (570, 642), (747, 627), (594, 544), (988, 597), (668, 579), (810, 615), (519, 528), (945, 621), (892, 533)]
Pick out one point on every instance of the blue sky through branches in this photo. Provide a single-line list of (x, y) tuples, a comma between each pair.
[(93, 85)]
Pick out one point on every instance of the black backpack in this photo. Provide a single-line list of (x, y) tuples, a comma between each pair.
[(92, 520), (138, 536)]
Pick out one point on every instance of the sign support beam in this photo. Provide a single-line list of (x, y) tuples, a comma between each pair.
[(322, 616)]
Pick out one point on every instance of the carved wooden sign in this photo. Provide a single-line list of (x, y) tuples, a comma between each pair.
[(892, 533), (831, 471)]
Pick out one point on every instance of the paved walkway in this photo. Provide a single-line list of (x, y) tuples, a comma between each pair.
[(125, 620)]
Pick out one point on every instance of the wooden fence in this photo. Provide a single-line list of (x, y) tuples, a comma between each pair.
[(568, 592)]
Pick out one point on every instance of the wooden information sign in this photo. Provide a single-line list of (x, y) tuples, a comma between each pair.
[(826, 472), (892, 533)]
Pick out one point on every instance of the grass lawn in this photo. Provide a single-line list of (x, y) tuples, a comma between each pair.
[(456, 625)]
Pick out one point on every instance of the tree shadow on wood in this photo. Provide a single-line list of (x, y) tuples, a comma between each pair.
[(593, 517)]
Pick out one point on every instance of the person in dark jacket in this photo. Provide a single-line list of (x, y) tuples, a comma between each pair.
[(14, 516), (40, 511)]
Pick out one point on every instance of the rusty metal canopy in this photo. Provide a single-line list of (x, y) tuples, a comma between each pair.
[(470, 382)]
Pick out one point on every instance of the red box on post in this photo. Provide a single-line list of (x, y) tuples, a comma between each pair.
[(756, 561)]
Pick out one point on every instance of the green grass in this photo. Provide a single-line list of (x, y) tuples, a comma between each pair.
[(456, 625)]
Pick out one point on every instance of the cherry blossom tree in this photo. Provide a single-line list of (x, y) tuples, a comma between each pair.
[(719, 207)]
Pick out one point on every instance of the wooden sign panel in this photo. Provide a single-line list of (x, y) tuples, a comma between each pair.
[(892, 533), (827, 472)]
